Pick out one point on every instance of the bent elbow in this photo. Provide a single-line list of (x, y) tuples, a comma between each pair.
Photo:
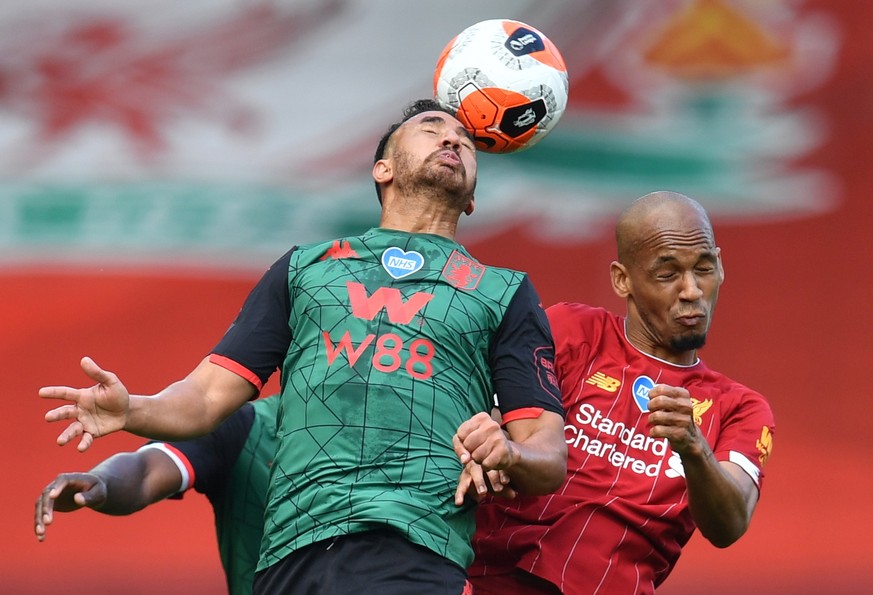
[(553, 487), (725, 537), (557, 471), (556, 475), (722, 543), (549, 477)]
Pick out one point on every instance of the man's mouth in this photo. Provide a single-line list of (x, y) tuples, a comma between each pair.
[(448, 156), (690, 320)]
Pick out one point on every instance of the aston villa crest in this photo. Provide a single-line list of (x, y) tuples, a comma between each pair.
[(463, 272)]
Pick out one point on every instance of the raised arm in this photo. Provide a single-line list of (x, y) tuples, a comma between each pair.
[(122, 484), (721, 496), (188, 408)]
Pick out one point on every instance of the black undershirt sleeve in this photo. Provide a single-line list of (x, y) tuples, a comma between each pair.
[(213, 456), (523, 356), (259, 337)]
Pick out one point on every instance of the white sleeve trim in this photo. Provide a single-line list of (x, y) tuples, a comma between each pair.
[(746, 465), (183, 470)]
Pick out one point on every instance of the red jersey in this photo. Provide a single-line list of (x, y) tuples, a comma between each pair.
[(619, 521)]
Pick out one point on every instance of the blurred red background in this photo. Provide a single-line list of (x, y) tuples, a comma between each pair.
[(794, 321)]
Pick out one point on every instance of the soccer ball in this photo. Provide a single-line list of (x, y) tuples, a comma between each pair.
[(505, 81)]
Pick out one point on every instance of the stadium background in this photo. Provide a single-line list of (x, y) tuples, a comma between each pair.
[(155, 159)]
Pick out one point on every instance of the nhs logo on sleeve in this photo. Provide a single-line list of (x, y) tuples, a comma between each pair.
[(641, 388), (399, 264)]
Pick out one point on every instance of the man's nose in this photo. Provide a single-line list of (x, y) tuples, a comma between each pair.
[(451, 138), (691, 290)]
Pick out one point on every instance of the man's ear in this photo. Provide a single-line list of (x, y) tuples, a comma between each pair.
[(382, 171), (470, 207), (621, 283), (720, 266)]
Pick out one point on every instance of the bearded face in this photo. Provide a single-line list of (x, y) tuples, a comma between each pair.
[(431, 157), (438, 175), (681, 343)]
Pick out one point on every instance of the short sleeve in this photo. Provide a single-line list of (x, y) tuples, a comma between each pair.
[(746, 437), (523, 356), (256, 343)]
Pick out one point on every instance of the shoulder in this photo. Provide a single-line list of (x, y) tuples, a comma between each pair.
[(316, 250), (578, 327), (579, 310), (577, 313), (305, 256), (735, 394), (467, 273), (459, 257), (725, 383)]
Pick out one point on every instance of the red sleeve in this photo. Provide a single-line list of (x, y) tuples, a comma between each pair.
[(746, 436)]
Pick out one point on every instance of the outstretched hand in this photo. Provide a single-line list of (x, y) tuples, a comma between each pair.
[(68, 492), (95, 411)]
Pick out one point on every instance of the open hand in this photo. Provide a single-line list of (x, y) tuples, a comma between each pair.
[(95, 411)]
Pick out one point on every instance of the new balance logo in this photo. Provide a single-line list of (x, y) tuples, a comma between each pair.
[(601, 380)]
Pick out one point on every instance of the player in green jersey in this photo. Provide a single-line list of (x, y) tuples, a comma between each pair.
[(392, 346), (230, 466)]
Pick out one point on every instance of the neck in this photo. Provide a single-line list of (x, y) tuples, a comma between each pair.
[(637, 336), (419, 217)]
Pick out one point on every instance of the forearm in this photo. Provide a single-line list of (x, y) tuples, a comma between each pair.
[(127, 490), (190, 407), (539, 470), (721, 496), (539, 457), (175, 413), (720, 503)]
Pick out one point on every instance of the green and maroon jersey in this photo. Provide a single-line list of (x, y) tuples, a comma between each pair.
[(387, 342)]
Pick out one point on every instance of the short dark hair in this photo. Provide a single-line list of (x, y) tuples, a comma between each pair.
[(418, 106)]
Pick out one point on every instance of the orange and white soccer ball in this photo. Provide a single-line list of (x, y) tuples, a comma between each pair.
[(505, 81)]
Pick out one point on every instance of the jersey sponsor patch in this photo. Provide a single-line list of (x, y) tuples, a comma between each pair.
[(462, 272), (642, 386), (399, 263), (674, 466), (621, 444)]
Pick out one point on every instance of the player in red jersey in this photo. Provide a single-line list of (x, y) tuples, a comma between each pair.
[(658, 443)]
